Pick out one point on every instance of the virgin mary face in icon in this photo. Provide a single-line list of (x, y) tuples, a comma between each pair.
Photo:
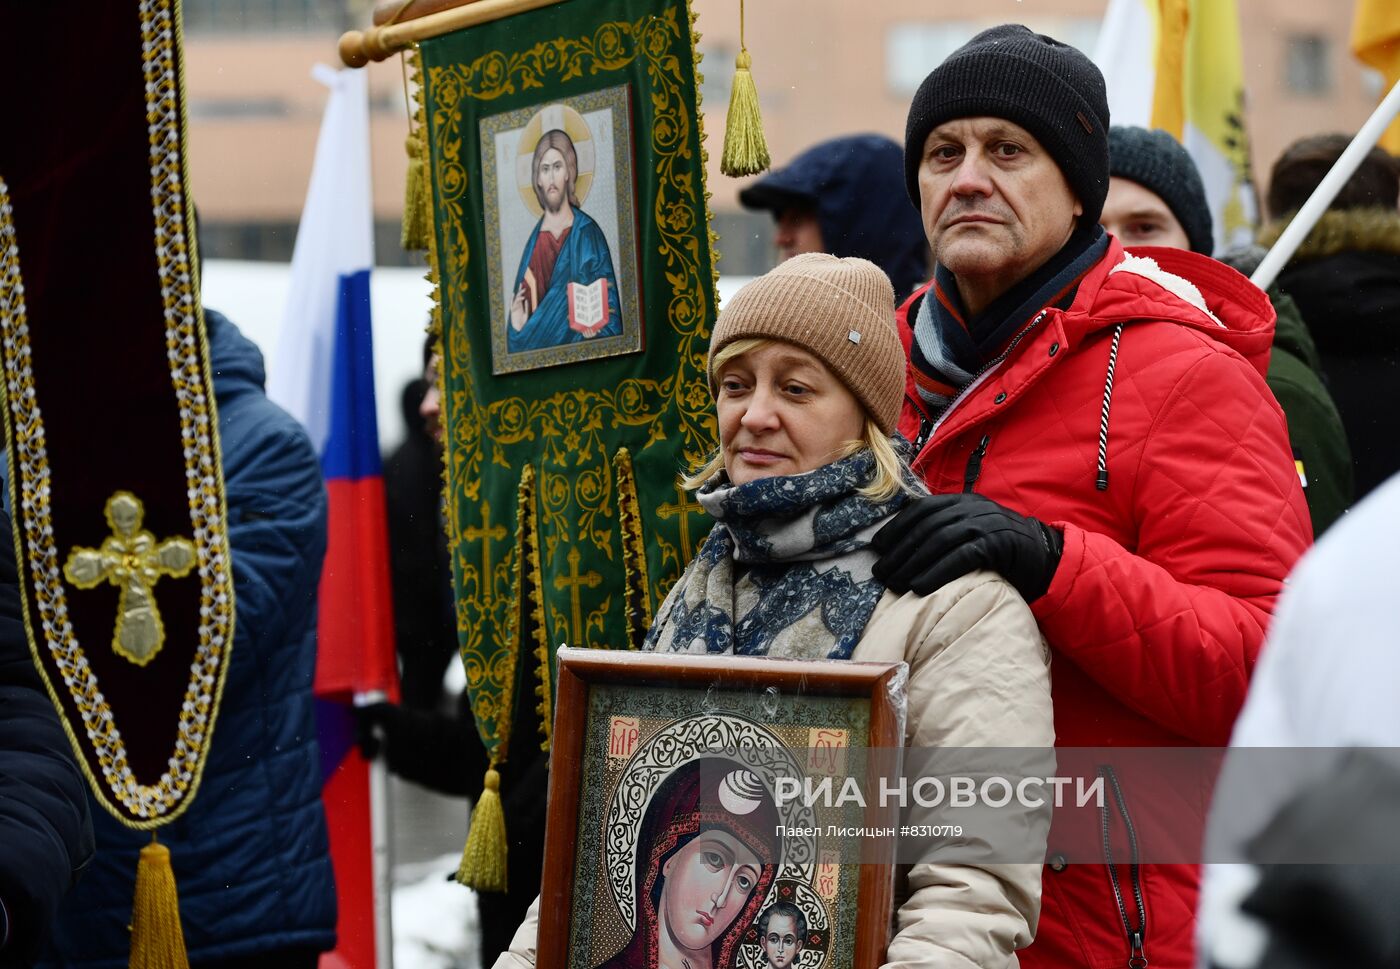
[(706, 855), (708, 882)]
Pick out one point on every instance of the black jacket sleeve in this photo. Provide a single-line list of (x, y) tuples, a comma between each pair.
[(45, 830)]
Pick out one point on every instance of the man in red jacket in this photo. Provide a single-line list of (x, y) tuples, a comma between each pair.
[(1096, 428)]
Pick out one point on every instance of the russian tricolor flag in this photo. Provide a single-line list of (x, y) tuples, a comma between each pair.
[(323, 373)]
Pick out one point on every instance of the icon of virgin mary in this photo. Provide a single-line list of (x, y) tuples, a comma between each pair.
[(707, 853)]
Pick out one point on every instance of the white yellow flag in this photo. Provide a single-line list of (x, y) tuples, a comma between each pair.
[(1176, 65), (1375, 39)]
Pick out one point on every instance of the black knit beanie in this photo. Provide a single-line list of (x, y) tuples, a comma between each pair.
[(1049, 88), (1158, 162)]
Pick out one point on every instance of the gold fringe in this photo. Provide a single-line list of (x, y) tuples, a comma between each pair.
[(157, 941), (483, 864), (711, 235), (634, 551), (417, 109), (528, 542), (745, 150)]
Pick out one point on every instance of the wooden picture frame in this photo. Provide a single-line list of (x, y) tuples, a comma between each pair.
[(631, 730)]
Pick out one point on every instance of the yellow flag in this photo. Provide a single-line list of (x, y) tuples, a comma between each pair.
[(1215, 133), (1375, 39), (1177, 65), (1169, 97)]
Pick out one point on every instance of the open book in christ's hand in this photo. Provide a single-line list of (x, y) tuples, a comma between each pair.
[(588, 306)]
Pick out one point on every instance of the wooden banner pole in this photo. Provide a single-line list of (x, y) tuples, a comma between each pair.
[(359, 47)]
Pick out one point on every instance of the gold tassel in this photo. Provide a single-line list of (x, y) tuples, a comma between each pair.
[(157, 941), (484, 858), (417, 219), (417, 205), (745, 151)]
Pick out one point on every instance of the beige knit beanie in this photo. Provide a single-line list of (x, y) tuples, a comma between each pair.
[(839, 310)]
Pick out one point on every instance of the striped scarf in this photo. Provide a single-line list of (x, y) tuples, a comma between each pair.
[(951, 348)]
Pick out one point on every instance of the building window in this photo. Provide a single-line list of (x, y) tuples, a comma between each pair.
[(1308, 68), (264, 16), (913, 48), (717, 69)]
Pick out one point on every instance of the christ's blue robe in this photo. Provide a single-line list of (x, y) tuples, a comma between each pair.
[(584, 258)]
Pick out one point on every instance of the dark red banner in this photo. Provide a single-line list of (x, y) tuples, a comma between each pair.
[(116, 484)]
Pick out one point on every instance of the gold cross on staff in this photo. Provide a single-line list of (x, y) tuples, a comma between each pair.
[(573, 582), (486, 534), (682, 509), (131, 560)]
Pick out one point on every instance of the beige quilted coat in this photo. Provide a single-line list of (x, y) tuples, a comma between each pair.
[(979, 677)]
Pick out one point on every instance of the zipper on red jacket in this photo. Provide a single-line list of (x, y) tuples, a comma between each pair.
[(1137, 936), (989, 366), (925, 424), (974, 463)]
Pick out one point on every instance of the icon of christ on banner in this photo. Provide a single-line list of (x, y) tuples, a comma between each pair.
[(565, 289), (564, 272)]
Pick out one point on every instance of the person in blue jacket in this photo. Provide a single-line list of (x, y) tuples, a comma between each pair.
[(45, 830), (846, 196), (251, 855)]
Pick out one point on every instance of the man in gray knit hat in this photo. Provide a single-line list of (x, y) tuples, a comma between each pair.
[(1094, 427)]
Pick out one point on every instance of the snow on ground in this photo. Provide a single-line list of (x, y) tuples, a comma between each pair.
[(435, 920)]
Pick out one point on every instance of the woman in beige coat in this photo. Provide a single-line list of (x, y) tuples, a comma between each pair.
[(808, 375)]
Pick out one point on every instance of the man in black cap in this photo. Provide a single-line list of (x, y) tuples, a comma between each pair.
[(1156, 198), (1095, 427), (844, 196)]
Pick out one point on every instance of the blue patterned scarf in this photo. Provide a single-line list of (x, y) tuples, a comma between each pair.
[(786, 569), (950, 347)]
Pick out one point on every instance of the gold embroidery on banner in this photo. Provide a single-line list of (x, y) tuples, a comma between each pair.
[(132, 560), (575, 481), (160, 802), (681, 509), (573, 582)]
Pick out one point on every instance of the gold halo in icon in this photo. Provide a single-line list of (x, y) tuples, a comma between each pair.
[(549, 118)]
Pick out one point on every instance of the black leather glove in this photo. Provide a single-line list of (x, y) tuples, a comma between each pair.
[(373, 721), (437, 750), (936, 539)]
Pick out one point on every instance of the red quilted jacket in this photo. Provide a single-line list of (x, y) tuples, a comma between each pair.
[(1169, 574)]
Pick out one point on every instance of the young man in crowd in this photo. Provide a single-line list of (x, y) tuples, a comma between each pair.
[(1156, 198), (1096, 429)]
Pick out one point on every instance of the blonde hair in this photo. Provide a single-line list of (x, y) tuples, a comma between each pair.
[(890, 470)]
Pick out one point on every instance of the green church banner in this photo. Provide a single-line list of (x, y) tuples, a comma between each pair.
[(572, 255)]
